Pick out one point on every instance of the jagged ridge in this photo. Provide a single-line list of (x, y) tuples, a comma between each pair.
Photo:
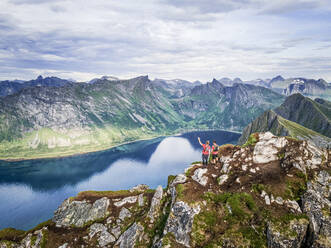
[(299, 117), (59, 121)]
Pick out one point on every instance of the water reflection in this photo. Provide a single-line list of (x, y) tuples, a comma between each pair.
[(31, 190)]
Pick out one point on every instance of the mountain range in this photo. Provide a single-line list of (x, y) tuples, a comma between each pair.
[(11, 87), (308, 87), (299, 117), (47, 121)]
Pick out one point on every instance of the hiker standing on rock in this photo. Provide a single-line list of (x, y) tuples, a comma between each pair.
[(214, 152), (205, 151)]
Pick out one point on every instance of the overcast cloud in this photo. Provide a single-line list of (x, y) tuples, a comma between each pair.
[(188, 39)]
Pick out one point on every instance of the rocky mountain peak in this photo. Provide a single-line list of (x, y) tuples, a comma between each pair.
[(277, 78), (270, 192), (237, 80), (39, 78)]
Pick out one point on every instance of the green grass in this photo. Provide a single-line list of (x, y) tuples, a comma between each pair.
[(256, 238), (258, 188), (11, 234), (296, 130), (251, 141), (95, 140)]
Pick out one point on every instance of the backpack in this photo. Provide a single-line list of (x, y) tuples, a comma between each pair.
[(206, 149)]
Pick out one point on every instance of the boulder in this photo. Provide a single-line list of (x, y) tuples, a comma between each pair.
[(289, 236), (141, 200), (65, 245), (124, 213), (199, 177), (180, 178), (155, 204), (180, 222), (104, 237), (293, 205), (78, 213), (126, 200), (139, 188), (267, 148), (222, 179), (316, 204), (129, 238)]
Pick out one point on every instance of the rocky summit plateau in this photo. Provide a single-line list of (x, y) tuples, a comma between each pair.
[(270, 192)]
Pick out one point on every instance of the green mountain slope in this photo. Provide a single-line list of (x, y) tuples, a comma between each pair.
[(59, 121), (308, 113), (270, 121)]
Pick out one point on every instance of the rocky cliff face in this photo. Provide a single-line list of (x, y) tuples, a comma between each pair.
[(272, 192), (308, 87)]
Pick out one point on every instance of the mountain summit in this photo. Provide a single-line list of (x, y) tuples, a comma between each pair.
[(271, 192)]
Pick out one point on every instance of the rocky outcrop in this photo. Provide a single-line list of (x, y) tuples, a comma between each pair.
[(274, 192), (78, 213), (316, 203), (129, 238), (267, 148), (104, 237), (155, 205), (199, 176), (292, 235), (180, 222)]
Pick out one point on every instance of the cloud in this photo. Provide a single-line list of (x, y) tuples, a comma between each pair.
[(195, 40)]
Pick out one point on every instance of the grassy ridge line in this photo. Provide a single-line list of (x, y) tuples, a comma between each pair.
[(296, 130)]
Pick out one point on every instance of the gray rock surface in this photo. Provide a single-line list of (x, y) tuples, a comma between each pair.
[(78, 213), (65, 245), (140, 188), (222, 179), (126, 200), (292, 236), (316, 204), (180, 178), (180, 222), (104, 237), (124, 213), (155, 204), (199, 177), (267, 148), (130, 236)]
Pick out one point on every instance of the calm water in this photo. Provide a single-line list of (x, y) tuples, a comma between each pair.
[(30, 191)]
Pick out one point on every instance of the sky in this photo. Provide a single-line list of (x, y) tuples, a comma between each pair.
[(187, 39)]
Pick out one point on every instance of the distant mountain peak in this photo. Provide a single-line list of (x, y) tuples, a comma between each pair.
[(109, 78), (214, 81), (237, 80), (277, 78)]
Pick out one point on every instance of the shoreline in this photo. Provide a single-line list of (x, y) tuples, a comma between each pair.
[(110, 147)]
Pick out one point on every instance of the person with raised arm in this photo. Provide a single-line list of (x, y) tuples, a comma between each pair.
[(205, 151)]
